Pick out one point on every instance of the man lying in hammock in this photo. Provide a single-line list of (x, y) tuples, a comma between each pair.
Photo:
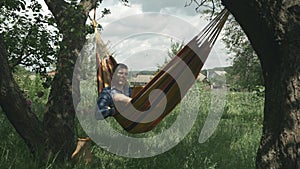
[(117, 93)]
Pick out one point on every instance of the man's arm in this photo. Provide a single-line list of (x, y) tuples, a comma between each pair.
[(104, 106), (117, 97)]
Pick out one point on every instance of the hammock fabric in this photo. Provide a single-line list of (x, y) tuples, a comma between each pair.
[(174, 79)]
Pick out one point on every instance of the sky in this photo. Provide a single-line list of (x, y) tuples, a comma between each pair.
[(140, 34)]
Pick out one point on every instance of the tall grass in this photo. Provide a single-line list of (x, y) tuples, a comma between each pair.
[(232, 145)]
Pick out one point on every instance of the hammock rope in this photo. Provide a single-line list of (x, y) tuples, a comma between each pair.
[(174, 79)]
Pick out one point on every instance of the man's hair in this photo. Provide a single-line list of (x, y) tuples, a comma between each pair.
[(120, 66)]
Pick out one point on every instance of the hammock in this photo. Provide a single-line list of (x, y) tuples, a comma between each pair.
[(174, 79)]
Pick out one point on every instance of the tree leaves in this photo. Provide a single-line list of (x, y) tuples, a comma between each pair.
[(13, 4), (246, 72), (31, 40)]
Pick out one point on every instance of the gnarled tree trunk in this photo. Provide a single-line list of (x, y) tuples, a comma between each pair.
[(55, 134), (273, 28), (14, 106)]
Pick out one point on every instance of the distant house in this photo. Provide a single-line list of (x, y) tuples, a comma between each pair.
[(215, 73), (140, 80), (217, 78)]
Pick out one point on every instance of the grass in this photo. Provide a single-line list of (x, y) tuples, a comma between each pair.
[(232, 145)]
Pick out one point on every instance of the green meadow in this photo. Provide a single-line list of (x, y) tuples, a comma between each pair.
[(232, 145)]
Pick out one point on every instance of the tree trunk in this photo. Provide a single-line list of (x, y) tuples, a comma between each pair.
[(273, 30), (15, 108), (55, 135), (60, 114)]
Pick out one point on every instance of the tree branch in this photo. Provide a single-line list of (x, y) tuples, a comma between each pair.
[(56, 7), (88, 5), (60, 114), (14, 105), (210, 4)]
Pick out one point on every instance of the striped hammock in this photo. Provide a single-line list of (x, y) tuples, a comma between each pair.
[(149, 106)]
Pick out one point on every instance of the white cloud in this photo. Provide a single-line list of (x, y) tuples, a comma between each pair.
[(158, 5), (128, 29), (118, 11)]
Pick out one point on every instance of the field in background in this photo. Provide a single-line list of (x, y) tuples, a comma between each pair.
[(232, 145)]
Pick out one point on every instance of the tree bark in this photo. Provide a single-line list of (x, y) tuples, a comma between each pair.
[(272, 27), (15, 108), (55, 135), (60, 114)]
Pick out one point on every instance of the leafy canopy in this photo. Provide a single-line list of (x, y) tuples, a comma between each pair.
[(30, 35)]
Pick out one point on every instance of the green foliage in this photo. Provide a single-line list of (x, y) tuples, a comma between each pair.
[(30, 36), (246, 72), (206, 6), (259, 91), (233, 144), (13, 5), (13, 151), (175, 47), (32, 86)]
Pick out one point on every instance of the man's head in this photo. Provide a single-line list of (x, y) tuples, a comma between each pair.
[(120, 74)]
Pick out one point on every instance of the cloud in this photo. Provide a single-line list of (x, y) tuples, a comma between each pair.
[(118, 11), (158, 5), (142, 33), (146, 35)]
